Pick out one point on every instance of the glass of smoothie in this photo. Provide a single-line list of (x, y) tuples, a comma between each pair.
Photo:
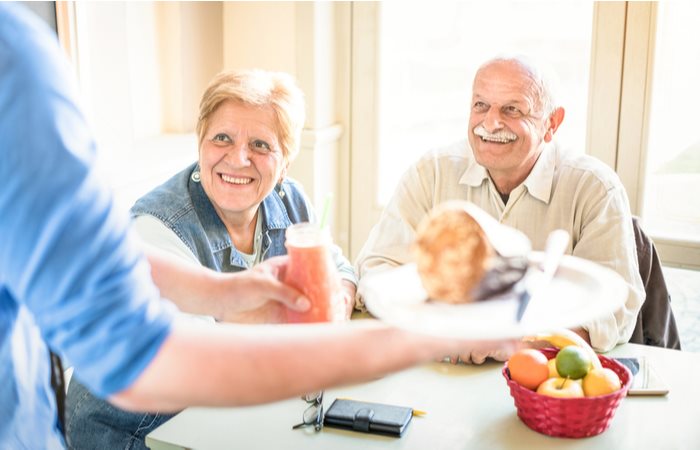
[(312, 271)]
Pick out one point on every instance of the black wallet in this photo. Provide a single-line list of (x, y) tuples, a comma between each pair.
[(368, 417)]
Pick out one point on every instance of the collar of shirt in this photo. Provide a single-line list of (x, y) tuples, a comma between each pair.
[(539, 182)]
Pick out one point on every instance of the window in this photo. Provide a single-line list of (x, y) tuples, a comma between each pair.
[(671, 208), (429, 52), (656, 151)]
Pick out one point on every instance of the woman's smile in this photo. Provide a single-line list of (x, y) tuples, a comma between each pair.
[(230, 179)]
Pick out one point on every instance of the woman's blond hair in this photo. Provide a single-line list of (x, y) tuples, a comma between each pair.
[(258, 88)]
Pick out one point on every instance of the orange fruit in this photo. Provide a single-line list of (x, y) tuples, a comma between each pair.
[(600, 382), (528, 367)]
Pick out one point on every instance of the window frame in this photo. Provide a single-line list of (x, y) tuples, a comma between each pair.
[(633, 126)]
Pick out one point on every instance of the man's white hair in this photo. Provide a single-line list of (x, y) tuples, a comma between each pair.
[(544, 76)]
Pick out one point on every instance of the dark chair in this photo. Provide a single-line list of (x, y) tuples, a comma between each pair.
[(656, 324)]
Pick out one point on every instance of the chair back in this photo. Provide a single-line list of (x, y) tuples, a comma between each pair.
[(656, 324)]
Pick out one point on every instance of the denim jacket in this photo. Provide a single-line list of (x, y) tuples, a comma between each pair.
[(182, 205)]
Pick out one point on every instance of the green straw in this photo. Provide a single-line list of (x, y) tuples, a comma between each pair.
[(326, 210)]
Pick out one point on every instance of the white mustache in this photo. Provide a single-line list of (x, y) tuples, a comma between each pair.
[(503, 136)]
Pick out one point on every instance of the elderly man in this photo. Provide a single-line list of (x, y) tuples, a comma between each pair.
[(512, 169)]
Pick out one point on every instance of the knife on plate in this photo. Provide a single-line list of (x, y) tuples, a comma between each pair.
[(539, 275)]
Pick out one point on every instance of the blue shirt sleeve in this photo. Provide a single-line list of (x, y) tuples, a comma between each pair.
[(67, 255)]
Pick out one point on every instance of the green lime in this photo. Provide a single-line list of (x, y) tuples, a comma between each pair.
[(573, 362)]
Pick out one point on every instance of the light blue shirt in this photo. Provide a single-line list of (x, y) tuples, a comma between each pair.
[(71, 277)]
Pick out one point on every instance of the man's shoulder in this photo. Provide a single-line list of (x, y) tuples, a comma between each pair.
[(16, 21), (589, 168), (31, 57)]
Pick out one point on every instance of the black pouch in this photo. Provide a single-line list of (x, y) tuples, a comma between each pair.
[(368, 417)]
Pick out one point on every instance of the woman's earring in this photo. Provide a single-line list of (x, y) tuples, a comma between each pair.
[(280, 191), (195, 176)]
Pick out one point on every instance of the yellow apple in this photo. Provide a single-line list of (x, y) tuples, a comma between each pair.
[(552, 364), (560, 387)]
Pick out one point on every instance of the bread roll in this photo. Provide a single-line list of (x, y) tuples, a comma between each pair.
[(452, 253)]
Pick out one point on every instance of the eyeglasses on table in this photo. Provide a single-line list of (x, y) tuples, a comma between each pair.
[(313, 414)]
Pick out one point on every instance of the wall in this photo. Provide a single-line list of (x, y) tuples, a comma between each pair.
[(191, 52), (302, 38)]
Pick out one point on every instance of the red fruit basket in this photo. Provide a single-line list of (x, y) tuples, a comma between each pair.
[(569, 417)]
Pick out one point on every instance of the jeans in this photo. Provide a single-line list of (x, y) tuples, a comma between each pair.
[(93, 423)]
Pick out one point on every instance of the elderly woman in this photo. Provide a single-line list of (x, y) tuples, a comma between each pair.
[(227, 212)]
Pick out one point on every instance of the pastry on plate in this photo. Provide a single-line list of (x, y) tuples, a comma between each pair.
[(463, 255)]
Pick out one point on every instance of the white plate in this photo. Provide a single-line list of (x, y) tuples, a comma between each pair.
[(581, 291)]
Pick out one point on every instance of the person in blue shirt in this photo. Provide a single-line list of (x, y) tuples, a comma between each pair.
[(74, 279), (228, 211)]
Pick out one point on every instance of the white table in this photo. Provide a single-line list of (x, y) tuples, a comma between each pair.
[(469, 407)]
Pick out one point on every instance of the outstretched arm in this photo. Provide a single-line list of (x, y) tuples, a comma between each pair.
[(198, 290), (223, 364)]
